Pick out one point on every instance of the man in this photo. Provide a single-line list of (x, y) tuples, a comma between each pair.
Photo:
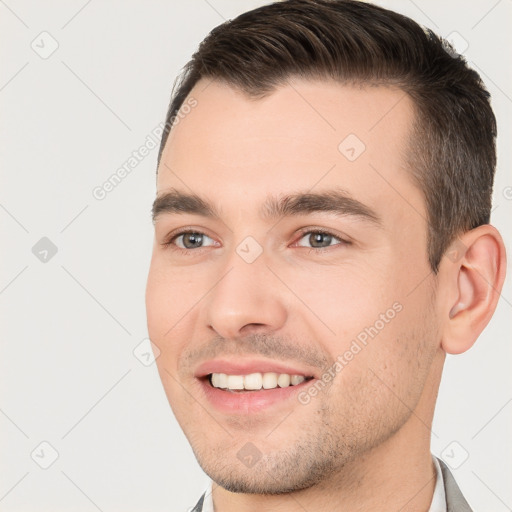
[(322, 241)]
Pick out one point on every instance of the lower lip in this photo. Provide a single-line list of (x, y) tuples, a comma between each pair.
[(247, 402)]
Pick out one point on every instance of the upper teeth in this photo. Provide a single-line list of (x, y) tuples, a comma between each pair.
[(255, 381)]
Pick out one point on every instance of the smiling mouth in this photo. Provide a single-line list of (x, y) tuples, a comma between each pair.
[(254, 382)]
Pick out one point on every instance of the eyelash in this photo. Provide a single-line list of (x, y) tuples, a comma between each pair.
[(170, 242)]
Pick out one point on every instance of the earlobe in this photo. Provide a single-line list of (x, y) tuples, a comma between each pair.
[(476, 280)]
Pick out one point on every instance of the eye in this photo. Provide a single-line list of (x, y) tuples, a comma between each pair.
[(319, 239), (186, 240)]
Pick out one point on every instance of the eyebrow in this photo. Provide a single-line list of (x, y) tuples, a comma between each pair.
[(335, 201)]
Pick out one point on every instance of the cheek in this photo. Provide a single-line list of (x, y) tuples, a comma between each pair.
[(342, 300), (170, 296), (159, 306), (400, 357), (384, 336), (169, 309)]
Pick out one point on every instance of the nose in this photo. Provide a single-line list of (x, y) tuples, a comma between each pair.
[(247, 299)]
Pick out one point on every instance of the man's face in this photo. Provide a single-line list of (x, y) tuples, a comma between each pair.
[(257, 289)]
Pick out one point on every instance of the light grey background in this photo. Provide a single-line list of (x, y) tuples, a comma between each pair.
[(70, 324)]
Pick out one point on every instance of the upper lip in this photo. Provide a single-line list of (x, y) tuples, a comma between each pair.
[(248, 366)]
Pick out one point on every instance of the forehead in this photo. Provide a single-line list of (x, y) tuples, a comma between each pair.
[(305, 135)]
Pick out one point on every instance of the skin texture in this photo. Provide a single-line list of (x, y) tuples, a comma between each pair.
[(364, 439)]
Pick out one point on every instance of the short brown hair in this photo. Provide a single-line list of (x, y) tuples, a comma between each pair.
[(452, 153)]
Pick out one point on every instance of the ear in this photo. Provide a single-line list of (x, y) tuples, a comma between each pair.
[(473, 270)]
